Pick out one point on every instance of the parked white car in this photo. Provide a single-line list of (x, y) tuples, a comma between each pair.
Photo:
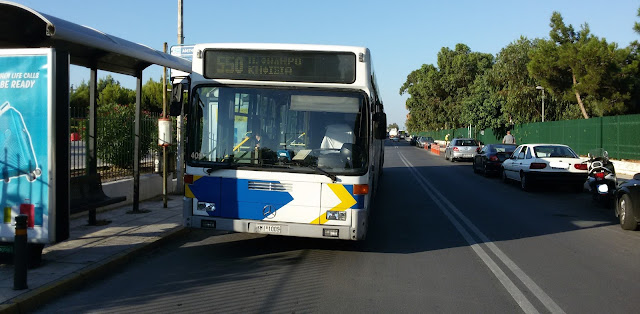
[(532, 164)]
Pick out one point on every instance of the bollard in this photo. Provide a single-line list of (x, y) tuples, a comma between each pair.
[(20, 254)]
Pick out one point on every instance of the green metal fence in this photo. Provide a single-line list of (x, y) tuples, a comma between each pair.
[(113, 168), (619, 135)]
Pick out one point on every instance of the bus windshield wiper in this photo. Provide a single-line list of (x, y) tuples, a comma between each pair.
[(324, 172), (263, 166), (222, 166)]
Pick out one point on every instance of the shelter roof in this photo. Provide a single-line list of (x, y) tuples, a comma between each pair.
[(23, 27)]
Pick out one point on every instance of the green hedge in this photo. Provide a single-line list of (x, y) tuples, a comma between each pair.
[(116, 133)]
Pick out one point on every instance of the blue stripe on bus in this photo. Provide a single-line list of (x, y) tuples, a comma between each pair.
[(237, 201), (233, 198)]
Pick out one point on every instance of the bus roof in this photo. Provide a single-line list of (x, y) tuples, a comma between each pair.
[(273, 46)]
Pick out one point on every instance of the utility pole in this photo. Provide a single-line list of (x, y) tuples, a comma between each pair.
[(180, 147), (180, 35), (164, 147), (542, 89)]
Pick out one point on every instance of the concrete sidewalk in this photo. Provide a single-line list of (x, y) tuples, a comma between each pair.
[(92, 252)]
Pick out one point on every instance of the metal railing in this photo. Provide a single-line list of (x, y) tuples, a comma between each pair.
[(114, 149)]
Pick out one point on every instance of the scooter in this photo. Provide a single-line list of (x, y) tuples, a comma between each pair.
[(602, 177)]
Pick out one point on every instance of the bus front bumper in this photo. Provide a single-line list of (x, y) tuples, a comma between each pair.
[(356, 231)]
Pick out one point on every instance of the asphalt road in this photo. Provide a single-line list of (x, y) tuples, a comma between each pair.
[(441, 239)]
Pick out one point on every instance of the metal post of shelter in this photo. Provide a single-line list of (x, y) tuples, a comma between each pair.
[(164, 147), (179, 120), (60, 183), (92, 139), (136, 148)]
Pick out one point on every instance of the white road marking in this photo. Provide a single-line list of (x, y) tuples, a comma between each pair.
[(515, 292)]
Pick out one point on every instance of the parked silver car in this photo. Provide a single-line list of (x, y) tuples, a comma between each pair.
[(424, 142), (461, 148)]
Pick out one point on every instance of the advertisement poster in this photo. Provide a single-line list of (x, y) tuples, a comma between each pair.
[(25, 99)]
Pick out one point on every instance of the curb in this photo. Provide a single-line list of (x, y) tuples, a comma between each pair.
[(38, 297)]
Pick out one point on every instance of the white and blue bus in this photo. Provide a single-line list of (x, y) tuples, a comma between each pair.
[(282, 139)]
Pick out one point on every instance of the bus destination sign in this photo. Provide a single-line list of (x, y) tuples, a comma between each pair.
[(276, 65)]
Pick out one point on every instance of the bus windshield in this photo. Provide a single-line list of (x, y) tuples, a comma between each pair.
[(290, 129)]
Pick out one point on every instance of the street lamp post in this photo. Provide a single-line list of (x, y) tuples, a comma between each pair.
[(542, 89)]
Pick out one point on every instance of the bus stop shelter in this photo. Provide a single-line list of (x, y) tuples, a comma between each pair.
[(22, 28)]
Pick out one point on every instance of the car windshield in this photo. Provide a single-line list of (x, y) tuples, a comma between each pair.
[(553, 151), (293, 130), (500, 148), (599, 153)]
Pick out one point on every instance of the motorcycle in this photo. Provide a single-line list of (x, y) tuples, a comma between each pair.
[(602, 178)]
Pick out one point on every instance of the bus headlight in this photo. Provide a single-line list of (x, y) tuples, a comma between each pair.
[(336, 215), (206, 206)]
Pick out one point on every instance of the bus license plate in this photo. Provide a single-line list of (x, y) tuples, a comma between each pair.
[(273, 229)]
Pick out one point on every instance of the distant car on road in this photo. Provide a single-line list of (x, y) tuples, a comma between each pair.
[(461, 148), (628, 203), (532, 164), (393, 134), (490, 157), (425, 142)]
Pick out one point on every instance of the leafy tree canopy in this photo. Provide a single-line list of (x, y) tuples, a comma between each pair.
[(575, 73)]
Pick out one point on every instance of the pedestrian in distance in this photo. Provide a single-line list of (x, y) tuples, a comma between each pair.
[(508, 139)]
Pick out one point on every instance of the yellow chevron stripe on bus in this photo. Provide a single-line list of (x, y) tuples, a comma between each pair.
[(346, 201)]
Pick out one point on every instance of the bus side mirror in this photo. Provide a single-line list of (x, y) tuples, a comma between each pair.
[(176, 100), (380, 125), (175, 109)]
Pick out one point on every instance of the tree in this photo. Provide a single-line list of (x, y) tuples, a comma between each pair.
[(116, 134), (79, 97), (437, 94), (636, 26), (104, 82), (631, 71), (425, 91), (580, 66), (459, 69), (152, 96), (393, 126), (111, 92)]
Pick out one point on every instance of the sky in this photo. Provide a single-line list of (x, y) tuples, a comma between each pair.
[(401, 34)]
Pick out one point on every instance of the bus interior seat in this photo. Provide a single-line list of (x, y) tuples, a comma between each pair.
[(336, 135)]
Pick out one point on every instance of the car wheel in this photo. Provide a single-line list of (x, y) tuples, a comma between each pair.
[(484, 169), (524, 182), (504, 176), (627, 221), (475, 169)]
